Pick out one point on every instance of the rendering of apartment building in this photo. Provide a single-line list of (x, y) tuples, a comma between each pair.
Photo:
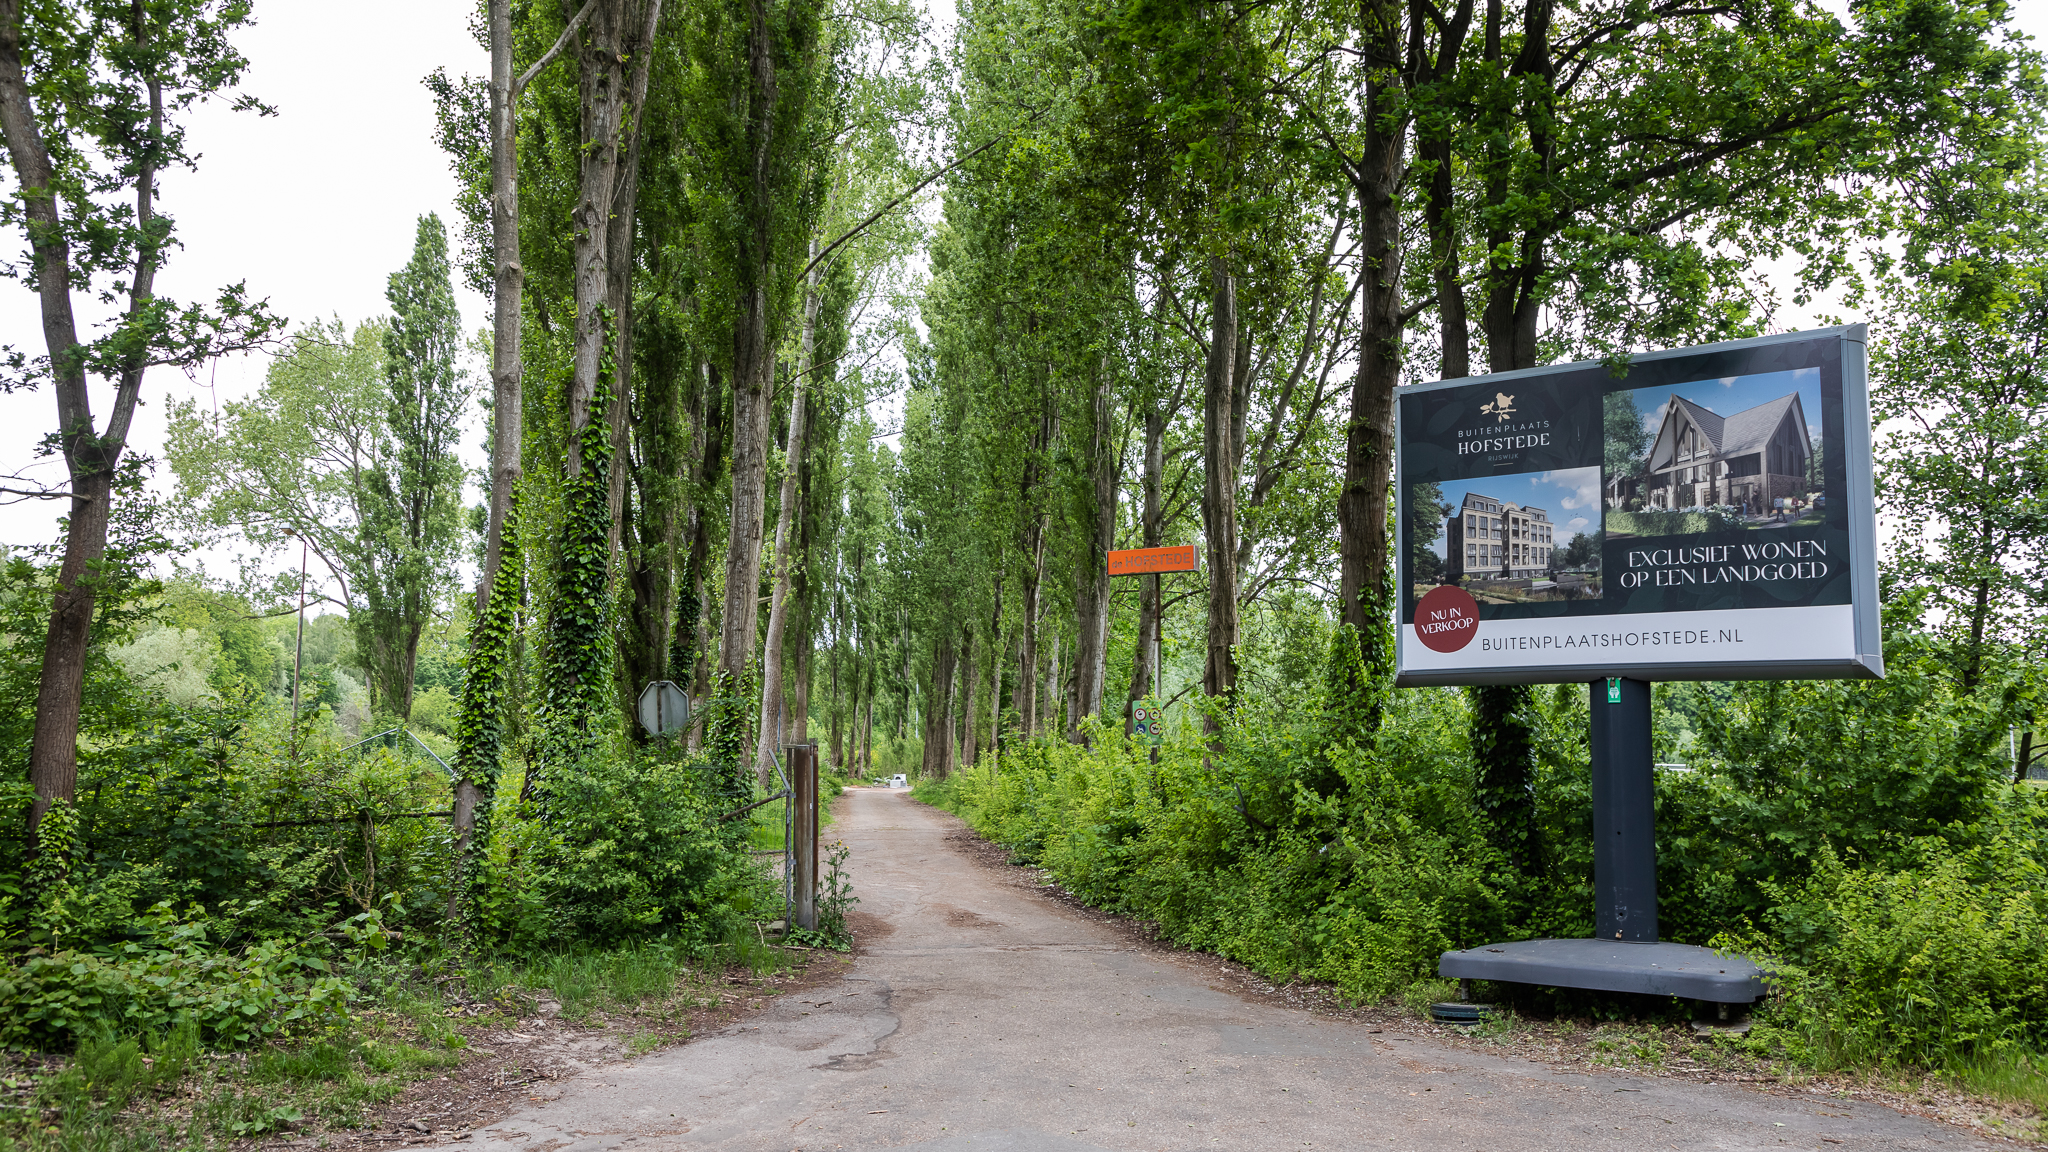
[(1498, 539)]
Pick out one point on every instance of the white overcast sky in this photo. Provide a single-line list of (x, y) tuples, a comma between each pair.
[(313, 207)]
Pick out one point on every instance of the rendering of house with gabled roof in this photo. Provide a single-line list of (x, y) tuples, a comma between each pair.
[(1698, 458)]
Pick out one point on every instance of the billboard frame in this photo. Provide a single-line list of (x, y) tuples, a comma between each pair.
[(1867, 660)]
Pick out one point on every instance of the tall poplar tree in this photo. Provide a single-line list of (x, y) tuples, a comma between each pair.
[(412, 527)]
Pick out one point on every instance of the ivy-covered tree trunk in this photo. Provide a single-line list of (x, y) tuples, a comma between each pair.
[(1365, 579), (1504, 744), (479, 726)]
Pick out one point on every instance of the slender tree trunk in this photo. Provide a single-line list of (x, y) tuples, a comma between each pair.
[(867, 725), (508, 283), (938, 719), (1092, 607), (903, 710), (771, 648), (1050, 698), (1440, 204), (753, 363), (1219, 488), (1026, 701), (654, 419), (800, 692), (712, 401), (970, 686), (508, 286), (1513, 303), (997, 651), (602, 84), (838, 729), (619, 260)]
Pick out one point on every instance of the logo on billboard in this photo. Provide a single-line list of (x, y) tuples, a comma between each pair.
[(1503, 406), (1447, 618)]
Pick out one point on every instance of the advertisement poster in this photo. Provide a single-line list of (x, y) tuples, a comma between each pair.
[(1702, 513)]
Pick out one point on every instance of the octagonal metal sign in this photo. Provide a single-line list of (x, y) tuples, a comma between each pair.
[(664, 708)]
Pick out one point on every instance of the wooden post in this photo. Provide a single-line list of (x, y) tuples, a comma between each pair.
[(803, 783)]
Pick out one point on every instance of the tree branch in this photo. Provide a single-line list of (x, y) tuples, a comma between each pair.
[(561, 42), (885, 209)]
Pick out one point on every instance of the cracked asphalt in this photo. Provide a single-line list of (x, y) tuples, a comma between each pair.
[(980, 1016)]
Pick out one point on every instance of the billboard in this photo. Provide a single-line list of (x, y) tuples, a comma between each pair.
[(1699, 514)]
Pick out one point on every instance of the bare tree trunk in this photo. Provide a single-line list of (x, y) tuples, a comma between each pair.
[(800, 692), (938, 718), (970, 684), (1026, 701), (1219, 490), (838, 729), (602, 94), (1092, 607), (903, 713), (771, 649), (1050, 698), (867, 724), (508, 290), (753, 363), (1368, 442), (996, 653)]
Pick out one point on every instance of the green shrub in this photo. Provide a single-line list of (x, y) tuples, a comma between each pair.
[(1941, 965), (1866, 833), (51, 1001), (627, 849)]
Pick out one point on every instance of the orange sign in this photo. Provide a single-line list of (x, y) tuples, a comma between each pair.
[(1137, 561)]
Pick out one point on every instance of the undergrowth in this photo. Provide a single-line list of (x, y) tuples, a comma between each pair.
[(1864, 840)]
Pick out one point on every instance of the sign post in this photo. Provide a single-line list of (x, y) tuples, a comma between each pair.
[(1148, 717), (1702, 514)]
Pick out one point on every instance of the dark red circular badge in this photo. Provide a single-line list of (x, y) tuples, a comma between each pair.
[(1447, 618)]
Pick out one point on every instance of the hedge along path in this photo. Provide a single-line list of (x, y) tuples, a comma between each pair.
[(980, 1012)]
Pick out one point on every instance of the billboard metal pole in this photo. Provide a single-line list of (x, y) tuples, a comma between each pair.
[(1624, 813)]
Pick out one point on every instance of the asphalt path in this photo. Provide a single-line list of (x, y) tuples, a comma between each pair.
[(984, 1016)]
